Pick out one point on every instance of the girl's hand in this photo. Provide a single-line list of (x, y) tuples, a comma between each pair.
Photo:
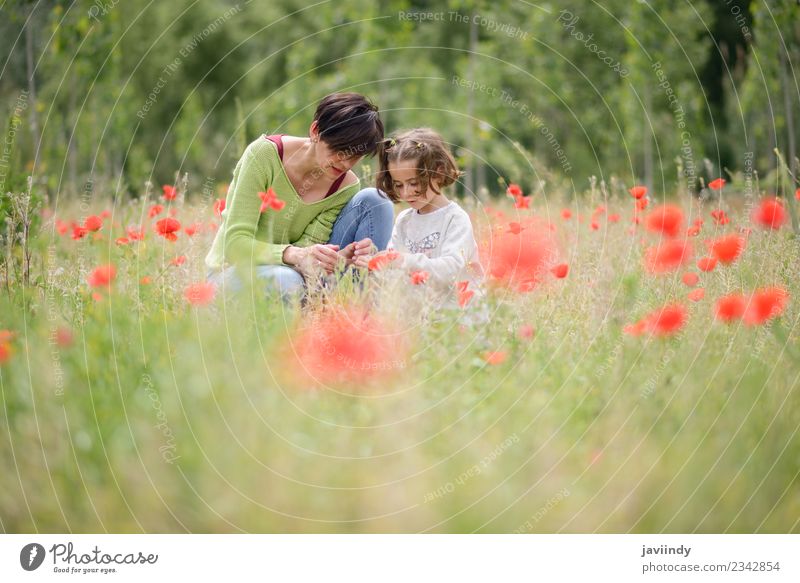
[(356, 250)]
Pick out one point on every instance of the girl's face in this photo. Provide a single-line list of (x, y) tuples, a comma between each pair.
[(407, 185)]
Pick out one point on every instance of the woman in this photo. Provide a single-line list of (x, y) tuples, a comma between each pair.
[(323, 220)]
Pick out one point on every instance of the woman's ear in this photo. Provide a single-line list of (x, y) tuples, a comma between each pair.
[(313, 131)]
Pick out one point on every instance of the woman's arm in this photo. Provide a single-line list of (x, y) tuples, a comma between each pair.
[(243, 211)]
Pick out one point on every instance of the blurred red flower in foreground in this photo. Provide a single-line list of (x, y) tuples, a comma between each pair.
[(765, 304), (419, 277), (495, 357), (514, 190), (526, 332), (770, 214), (219, 206), (382, 259), (566, 214), (520, 261), (668, 255), (665, 321), (665, 219), (200, 294), (270, 200), (347, 346), (169, 192), (93, 223), (690, 278), (706, 263), (560, 271), (167, 228), (463, 293), (717, 184), (730, 307), (638, 192), (5, 345), (696, 294), (727, 248), (102, 276)]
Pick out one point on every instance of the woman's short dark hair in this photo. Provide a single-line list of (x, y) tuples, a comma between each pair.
[(349, 123)]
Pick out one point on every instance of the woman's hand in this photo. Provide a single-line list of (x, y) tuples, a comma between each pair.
[(354, 251), (313, 258)]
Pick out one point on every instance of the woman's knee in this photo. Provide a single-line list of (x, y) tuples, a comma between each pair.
[(372, 198)]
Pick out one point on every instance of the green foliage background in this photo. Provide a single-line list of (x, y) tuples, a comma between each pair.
[(93, 65)]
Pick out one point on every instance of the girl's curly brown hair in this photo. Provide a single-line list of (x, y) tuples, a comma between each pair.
[(436, 166)]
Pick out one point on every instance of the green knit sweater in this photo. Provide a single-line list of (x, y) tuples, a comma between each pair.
[(249, 237)]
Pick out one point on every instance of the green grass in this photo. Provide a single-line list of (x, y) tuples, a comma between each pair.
[(164, 417)]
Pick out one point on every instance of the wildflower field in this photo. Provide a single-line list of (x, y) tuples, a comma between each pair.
[(630, 366)]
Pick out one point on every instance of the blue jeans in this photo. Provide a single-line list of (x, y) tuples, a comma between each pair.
[(368, 214)]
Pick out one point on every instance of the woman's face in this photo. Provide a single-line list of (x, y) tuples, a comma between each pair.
[(335, 163)]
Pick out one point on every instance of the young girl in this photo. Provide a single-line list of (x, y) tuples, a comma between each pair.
[(433, 239)]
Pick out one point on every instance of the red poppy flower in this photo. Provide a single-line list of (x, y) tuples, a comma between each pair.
[(6, 350), (145, 280), (727, 248), (270, 200), (770, 214), (522, 202), (464, 293), (93, 223), (156, 209), (696, 294), (219, 206), (641, 204), (520, 261), (526, 332), (560, 271), (78, 232), (765, 304), (192, 229), (179, 260), (613, 218), (169, 192), (514, 190), (495, 357), (638, 192), (382, 260), (730, 307), (668, 320), (717, 184), (135, 234), (797, 194), (102, 276), (515, 228), (348, 346), (666, 220), (167, 228), (62, 227), (63, 337), (720, 217), (665, 321), (200, 294), (122, 241), (706, 263), (594, 225), (668, 255), (690, 278), (419, 277), (566, 214)]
